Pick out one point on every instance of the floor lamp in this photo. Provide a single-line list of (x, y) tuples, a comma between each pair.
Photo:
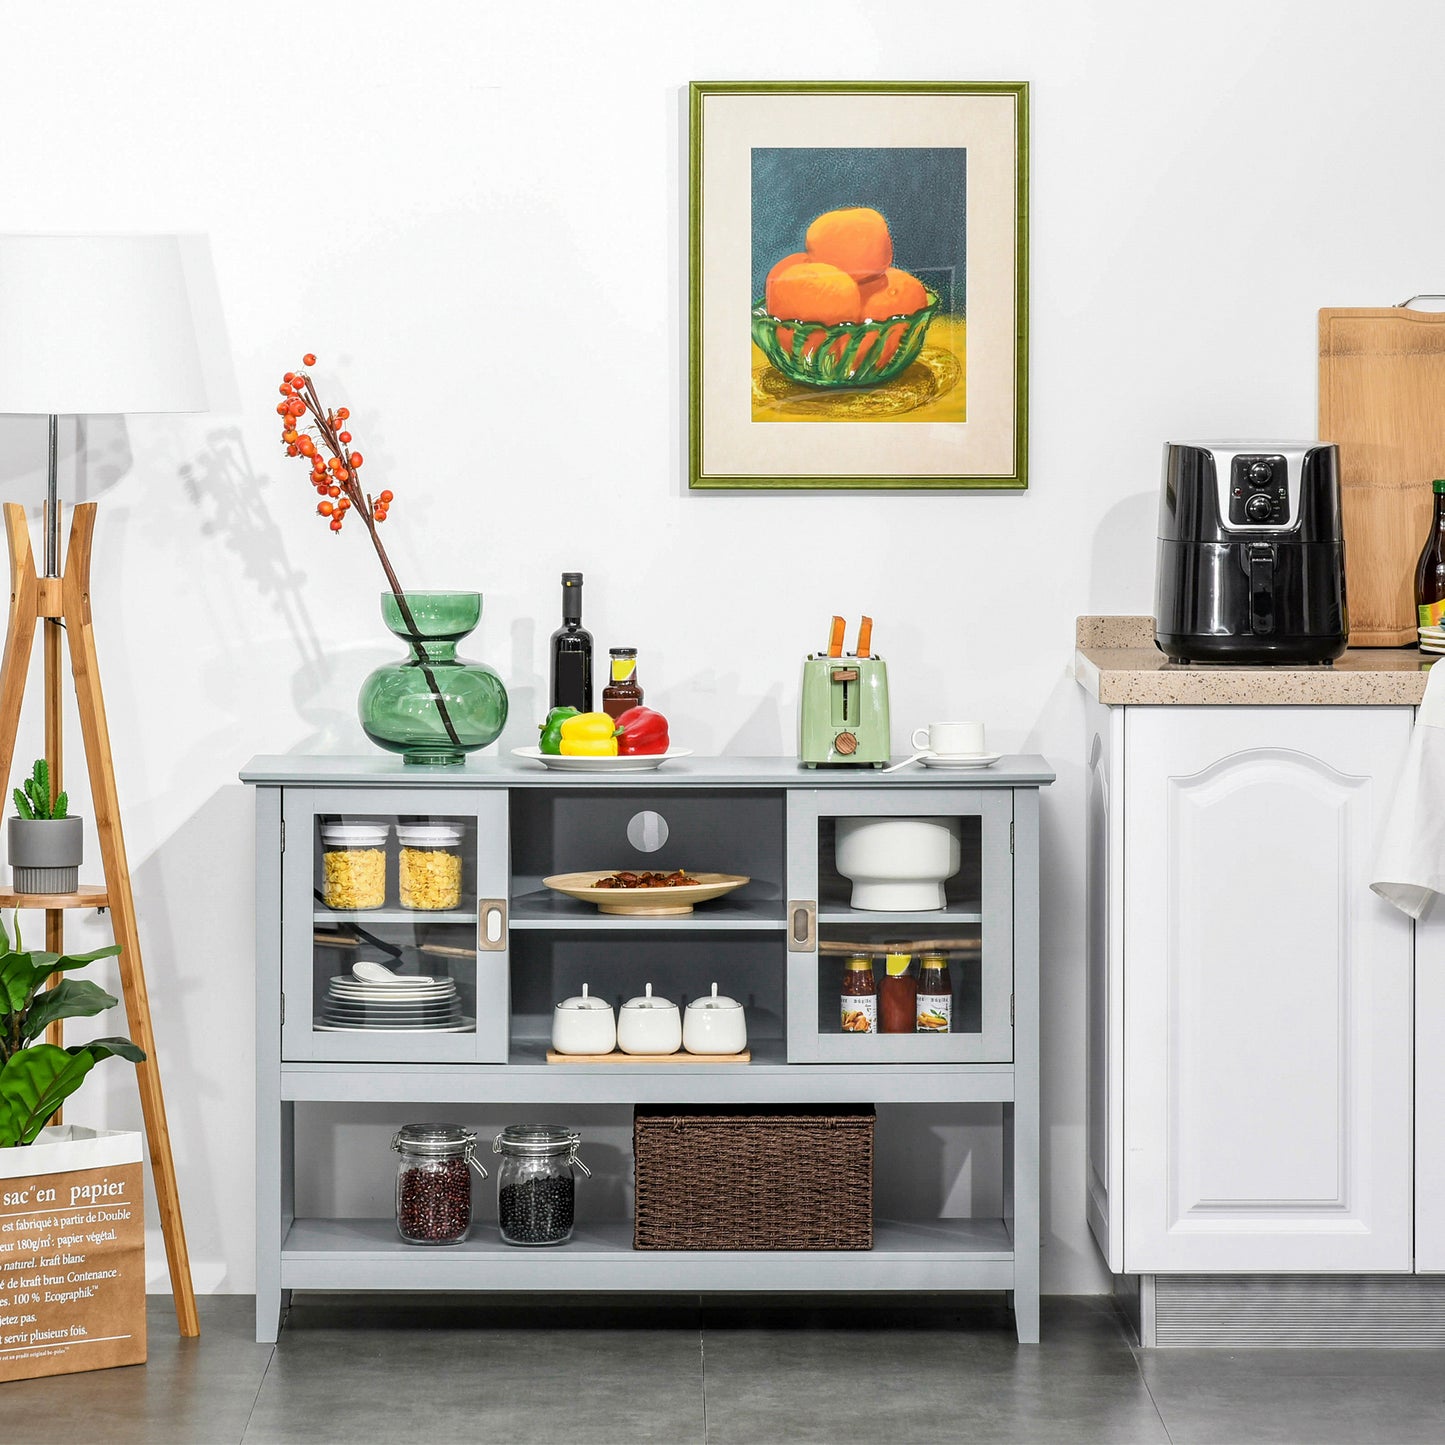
[(91, 325)]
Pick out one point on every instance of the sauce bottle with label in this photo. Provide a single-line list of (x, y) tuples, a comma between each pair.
[(622, 691), (860, 995), (935, 995), (898, 996)]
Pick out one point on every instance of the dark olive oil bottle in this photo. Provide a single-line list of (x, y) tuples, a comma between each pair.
[(572, 651)]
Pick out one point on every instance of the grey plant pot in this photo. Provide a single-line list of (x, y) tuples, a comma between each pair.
[(46, 854)]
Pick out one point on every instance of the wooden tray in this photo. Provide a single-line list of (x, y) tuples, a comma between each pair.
[(1382, 394), (680, 1057)]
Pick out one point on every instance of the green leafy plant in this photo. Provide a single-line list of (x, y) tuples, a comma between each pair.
[(36, 1078), (32, 801)]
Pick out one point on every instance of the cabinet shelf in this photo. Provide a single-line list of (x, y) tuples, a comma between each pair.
[(930, 920), (395, 915), (769, 1079), (368, 1254), (541, 908)]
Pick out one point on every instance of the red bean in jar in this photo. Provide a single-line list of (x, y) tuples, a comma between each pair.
[(434, 1182)]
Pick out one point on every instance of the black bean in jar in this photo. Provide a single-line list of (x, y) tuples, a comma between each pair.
[(536, 1211), (434, 1202)]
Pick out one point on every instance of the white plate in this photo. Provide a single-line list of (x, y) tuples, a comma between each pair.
[(421, 1006), (391, 990), (960, 760), (467, 1026), (395, 996), (639, 763)]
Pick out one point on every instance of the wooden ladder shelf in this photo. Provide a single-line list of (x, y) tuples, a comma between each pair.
[(64, 604)]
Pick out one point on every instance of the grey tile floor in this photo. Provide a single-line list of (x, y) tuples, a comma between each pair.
[(361, 1369)]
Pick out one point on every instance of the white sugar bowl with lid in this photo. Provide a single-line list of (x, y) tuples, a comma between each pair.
[(648, 1025), (715, 1024), (583, 1024)]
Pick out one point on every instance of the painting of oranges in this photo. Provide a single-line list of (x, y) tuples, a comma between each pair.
[(862, 320)]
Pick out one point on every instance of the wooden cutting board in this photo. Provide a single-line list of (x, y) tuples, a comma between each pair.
[(1382, 401)]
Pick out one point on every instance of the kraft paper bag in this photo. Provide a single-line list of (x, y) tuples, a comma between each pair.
[(72, 1253)]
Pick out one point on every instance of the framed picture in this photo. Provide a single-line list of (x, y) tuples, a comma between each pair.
[(858, 294)]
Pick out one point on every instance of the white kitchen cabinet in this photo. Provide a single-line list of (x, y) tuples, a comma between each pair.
[(1430, 1091), (1250, 1012)]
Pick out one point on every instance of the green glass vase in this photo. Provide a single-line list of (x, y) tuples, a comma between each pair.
[(434, 707)]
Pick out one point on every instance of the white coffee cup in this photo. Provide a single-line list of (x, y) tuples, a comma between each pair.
[(950, 739)]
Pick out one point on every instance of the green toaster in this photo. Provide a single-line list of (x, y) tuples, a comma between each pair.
[(843, 709)]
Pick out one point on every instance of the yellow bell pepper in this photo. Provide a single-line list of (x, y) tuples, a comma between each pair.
[(589, 735)]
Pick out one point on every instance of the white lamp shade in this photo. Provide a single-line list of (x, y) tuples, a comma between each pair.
[(96, 324)]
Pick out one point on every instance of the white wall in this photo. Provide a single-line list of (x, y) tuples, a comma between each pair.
[(474, 214)]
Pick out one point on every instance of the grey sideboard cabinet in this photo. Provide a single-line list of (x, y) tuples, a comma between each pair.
[(512, 948)]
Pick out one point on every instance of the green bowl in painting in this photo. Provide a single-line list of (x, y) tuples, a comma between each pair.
[(852, 353)]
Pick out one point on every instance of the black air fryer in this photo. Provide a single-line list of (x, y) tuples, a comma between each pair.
[(1251, 554)]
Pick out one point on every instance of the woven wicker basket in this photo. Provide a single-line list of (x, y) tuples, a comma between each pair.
[(741, 1179)]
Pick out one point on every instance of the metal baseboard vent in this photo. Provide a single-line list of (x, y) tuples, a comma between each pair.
[(1398, 1311)]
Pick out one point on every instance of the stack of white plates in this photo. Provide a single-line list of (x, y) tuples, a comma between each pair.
[(1432, 639), (408, 1006)]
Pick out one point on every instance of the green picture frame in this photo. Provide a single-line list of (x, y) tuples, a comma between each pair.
[(762, 157)]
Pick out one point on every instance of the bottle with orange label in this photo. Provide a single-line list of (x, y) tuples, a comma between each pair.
[(860, 995)]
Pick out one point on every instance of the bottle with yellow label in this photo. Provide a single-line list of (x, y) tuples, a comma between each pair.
[(935, 995), (622, 691), (1430, 579), (898, 995)]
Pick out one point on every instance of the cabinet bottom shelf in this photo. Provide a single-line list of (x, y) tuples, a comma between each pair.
[(367, 1254)]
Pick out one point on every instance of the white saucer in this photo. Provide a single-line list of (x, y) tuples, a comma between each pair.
[(959, 760)]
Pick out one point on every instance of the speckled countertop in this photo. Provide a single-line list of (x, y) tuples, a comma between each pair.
[(1117, 663)]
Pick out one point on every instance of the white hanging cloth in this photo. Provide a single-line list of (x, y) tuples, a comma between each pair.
[(1410, 862)]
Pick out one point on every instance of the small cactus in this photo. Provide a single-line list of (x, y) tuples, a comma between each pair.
[(33, 801)]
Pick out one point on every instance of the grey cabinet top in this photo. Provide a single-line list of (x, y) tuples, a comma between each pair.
[(1020, 770)]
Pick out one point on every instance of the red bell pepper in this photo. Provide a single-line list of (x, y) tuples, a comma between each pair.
[(640, 730)]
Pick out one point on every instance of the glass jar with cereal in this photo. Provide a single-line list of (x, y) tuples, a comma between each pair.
[(429, 870), (353, 865)]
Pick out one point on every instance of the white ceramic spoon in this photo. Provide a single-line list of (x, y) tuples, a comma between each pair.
[(379, 973)]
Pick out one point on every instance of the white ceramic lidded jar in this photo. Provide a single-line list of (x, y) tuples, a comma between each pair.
[(583, 1024), (715, 1024), (648, 1025)]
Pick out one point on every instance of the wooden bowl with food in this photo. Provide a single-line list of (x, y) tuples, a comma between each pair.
[(642, 893)]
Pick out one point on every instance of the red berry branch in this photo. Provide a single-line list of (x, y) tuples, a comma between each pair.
[(306, 428)]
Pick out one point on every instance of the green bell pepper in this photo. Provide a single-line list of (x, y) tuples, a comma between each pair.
[(551, 740)]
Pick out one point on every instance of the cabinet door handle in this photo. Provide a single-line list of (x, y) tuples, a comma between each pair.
[(802, 926), (491, 925)]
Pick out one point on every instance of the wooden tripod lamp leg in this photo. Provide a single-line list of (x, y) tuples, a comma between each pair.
[(53, 646), (76, 603), (19, 632)]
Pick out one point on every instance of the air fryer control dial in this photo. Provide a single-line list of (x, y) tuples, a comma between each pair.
[(1258, 491)]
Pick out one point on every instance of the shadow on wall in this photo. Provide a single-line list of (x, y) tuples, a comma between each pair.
[(228, 495), (194, 912), (1122, 561), (92, 455)]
